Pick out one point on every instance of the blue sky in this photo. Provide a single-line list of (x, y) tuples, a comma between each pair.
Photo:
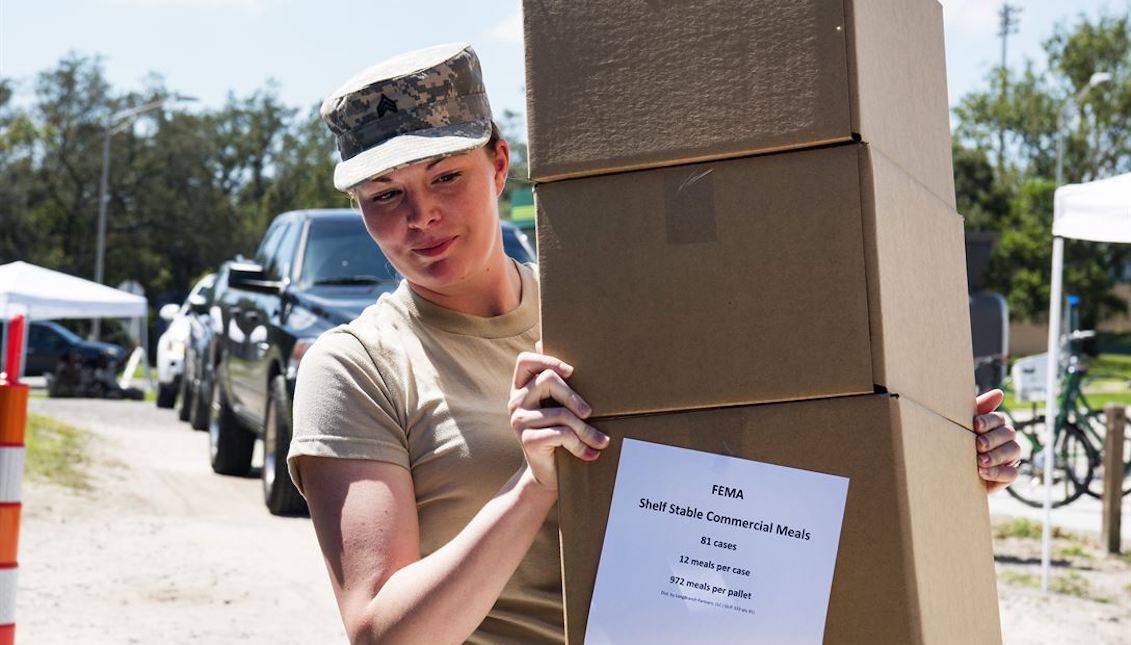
[(208, 48)]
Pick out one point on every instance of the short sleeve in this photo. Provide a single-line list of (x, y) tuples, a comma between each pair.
[(342, 407)]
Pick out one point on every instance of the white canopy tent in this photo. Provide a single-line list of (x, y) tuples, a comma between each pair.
[(1099, 211), (50, 295), (43, 294)]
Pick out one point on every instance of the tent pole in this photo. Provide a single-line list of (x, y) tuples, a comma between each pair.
[(1051, 374)]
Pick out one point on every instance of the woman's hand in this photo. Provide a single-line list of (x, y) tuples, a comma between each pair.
[(998, 450), (539, 378)]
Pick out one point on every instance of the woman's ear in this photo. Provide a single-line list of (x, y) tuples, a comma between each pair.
[(502, 164)]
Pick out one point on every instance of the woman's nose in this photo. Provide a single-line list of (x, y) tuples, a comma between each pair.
[(423, 210)]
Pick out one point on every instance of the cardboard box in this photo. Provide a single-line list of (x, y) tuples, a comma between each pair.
[(790, 276), (915, 561), (621, 85)]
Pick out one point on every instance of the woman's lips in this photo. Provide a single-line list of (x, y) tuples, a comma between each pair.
[(434, 249)]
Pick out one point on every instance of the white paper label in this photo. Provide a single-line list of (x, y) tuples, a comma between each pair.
[(705, 548)]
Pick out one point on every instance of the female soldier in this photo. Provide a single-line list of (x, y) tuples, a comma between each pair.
[(435, 524)]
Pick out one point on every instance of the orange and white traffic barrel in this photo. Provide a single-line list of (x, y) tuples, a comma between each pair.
[(13, 418)]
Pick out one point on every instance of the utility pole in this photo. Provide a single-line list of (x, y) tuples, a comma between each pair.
[(1008, 17)]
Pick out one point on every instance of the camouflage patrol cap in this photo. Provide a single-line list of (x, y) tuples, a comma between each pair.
[(420, 105)]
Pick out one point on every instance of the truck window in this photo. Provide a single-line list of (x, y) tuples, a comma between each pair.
[(341, 249)]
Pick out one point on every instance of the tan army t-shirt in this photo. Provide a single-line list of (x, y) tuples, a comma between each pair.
[(414, 384)]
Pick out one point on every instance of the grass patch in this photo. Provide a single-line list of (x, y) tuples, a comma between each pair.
[(1075, 551), (1111, 365), (1115, 370), (56, 453), (1070, 584), (1025, 528), (1019, 579)]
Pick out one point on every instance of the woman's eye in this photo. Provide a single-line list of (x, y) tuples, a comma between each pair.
[(385, 197), (447, 177)]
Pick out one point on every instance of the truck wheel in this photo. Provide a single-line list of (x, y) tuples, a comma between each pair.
[(201, 404), (229, 444), (186, 398), (279, 491), (166, 395)]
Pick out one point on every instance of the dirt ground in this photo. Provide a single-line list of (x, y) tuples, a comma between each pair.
[(161, 550)]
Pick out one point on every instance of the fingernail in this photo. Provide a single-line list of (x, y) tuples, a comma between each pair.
[(984, 471), (984, 460), (979, 423), (585, 409), (567, 367), (983, 442), (604, 438)]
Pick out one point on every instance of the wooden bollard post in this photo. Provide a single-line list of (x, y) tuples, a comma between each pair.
[(1113, 475)]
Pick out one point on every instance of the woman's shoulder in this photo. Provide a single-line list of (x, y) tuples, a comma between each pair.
[(372, 336)]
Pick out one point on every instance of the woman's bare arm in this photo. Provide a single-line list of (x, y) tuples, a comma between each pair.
[(364, 513)]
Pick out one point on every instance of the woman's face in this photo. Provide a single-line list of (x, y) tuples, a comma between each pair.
[(437, 221)]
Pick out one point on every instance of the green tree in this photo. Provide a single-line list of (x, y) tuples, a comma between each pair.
[(1010, 191), (304, 168)]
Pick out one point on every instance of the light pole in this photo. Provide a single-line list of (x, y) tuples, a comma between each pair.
[(1073, 101), (1054, 331), (116, 123)]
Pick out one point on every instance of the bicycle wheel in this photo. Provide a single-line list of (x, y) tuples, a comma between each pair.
[(1073, 466), (1097, 428)]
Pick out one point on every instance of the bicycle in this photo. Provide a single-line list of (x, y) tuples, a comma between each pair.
[(1074, 455), (1079, 433)]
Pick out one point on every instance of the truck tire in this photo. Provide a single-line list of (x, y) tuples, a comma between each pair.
[(166, 395), (230, 446), (202, 403), (279, 492), (186, 397)]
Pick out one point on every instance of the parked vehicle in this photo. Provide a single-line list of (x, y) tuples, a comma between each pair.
[(201, 353), (171, 344), (74, 366), (49, 342), (199, 332), (314, 270), (516, 244)]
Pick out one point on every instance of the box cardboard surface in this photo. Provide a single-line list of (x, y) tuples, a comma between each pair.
[(619, 85), (790, 276), (915, 561)]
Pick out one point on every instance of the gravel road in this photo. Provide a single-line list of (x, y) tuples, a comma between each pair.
[(162, 550)]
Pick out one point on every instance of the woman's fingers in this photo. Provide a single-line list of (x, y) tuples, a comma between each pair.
[(525, 420), (547, 439), (989, 401), (1003, 474), (530, 364), (984, 423), (995, 438), (548, 385), (997, 450), (1005, 453)]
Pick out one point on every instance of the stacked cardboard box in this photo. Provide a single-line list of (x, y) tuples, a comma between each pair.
[(748, 245)]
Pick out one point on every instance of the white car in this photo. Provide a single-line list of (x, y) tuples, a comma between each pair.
[(171, 344)]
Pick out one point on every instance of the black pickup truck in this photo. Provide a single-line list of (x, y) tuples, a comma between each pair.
[(314, 270)]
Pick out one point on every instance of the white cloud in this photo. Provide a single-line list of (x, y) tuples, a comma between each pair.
[(508, 30), (971, 17)]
